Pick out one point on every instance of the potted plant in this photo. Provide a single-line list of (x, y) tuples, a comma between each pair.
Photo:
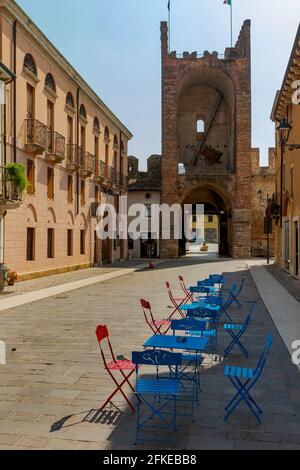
[(11, 278), (17, 177)]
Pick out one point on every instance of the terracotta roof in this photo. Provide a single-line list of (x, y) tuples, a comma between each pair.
[(144, 184)]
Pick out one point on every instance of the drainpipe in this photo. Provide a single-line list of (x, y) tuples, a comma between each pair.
[(15, 90), (77, 143)]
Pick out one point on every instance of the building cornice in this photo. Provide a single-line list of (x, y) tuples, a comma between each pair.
[(284, 95), (41, 40)]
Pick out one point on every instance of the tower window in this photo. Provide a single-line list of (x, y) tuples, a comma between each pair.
[(200, 125)]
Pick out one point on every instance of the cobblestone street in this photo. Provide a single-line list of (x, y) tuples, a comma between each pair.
[(54, 380)]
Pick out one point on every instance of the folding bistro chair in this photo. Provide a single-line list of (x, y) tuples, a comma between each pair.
[(125, 367), (236, 292), (236, 331), (244, 380), (157, 396), (156, 326), (186, 291), (176, 302)]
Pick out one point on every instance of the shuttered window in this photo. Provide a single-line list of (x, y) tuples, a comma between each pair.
[(30, 244)]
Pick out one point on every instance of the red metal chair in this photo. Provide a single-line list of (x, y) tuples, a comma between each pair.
[(114, 365), (177, 302), (155, 325), (189, 296)]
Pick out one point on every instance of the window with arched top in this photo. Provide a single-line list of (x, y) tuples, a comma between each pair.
[(116, 142), (96, 124), (29, 64), (82, 111), (106, 133), (70, 100), (50, 82), (200, 125)]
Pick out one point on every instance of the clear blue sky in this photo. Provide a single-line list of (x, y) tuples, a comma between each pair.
[(115, 46)]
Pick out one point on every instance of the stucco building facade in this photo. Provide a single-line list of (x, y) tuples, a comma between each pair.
[(73, 147), (286, 115)]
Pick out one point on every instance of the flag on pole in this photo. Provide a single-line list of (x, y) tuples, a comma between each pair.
[(169, 4), (229, 2)]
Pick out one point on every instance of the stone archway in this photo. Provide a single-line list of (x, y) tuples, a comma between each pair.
[(218, 206)]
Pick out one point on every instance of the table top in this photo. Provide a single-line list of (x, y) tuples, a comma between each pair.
[(171, 342)]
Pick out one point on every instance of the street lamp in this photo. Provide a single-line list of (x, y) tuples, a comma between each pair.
[(283, 130)]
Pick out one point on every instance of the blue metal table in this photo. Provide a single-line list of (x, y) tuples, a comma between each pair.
[(177, 342)]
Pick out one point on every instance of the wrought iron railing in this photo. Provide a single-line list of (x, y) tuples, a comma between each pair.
[(112, 174), (36, 133), (8, 188), (56, 144), (89, 162), (74, 155), (103, 169)]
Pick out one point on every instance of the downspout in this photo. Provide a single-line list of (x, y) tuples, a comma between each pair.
[(77, 144), (15, 91)]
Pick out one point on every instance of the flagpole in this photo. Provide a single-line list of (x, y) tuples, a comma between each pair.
[(169, 5), (231, 24)]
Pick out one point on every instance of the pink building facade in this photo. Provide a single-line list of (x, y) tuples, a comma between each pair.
[(74, 150)]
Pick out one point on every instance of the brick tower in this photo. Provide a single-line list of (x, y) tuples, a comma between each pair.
[(206, 138)]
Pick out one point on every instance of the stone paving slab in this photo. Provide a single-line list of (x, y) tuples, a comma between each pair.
[(54, 377)]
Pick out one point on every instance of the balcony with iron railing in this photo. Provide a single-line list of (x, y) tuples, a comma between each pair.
[(88, 167), (10, 195), (56, 147), (35, 137), (74, 157)]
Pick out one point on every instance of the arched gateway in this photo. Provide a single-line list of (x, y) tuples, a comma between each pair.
[(217, 204), (206, 138)]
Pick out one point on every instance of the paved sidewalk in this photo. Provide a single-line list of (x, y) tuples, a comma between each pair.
[(54, 380), (283, 308), (291, 284), (58, 287)]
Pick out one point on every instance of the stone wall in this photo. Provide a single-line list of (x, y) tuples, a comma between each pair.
[(263, 185), (233, 78)]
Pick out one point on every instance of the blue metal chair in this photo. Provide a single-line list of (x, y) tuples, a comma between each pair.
[(236, 292), (156, 394), (236, 331), (244, 380), (195, 328)]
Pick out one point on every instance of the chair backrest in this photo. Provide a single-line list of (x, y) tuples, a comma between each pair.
[(213, 300), (206, 283), (147, 311), (103, 337), (249, 317), (241, 287), (233, 288), (171, 294), (188, 324), (156, 358), (217, 278), (262, 360), (200, 290)]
